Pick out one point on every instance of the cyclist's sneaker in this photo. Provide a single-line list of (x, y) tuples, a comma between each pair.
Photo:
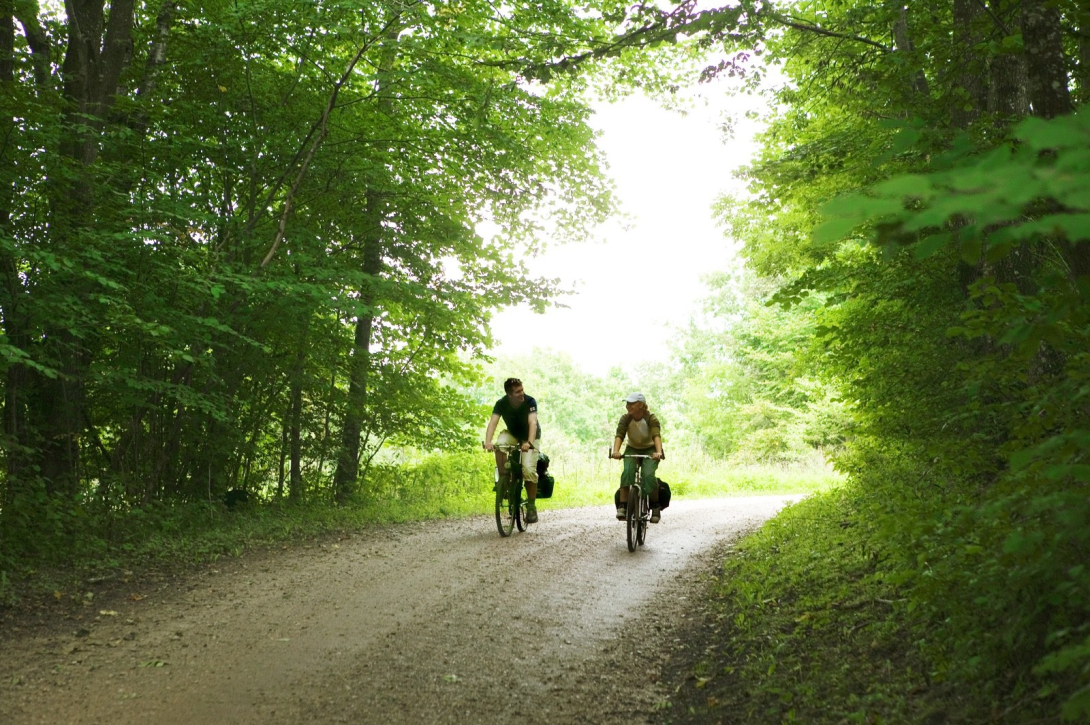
[(620, 513), (531, 514), (656, 514)]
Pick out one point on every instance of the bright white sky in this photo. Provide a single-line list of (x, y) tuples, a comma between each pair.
[(669, 169)]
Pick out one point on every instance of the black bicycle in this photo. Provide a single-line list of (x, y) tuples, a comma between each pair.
[(637, 509), (510, 503)]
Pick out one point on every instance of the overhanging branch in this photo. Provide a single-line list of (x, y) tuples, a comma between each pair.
[(817, 29)]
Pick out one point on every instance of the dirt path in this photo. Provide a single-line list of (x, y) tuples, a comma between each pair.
[(441, 622)]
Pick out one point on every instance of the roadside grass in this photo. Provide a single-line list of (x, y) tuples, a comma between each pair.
[(584, 479), (408, 486), (800, 629), (177, 536), (800, 633)]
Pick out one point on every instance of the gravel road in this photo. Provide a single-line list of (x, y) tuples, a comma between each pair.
[(436, 622)]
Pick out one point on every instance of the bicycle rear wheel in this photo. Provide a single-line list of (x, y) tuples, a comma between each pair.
[(632, 517), (505, 518)]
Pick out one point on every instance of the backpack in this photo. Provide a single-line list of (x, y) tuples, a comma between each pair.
[(545, 479)]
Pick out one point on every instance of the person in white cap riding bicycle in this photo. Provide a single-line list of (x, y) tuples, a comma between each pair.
[(643, 432)]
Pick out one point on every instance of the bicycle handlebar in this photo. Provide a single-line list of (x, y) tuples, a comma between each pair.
[(509, 447), (628, 455)]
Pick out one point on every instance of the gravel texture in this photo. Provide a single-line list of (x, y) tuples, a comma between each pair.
[(435, 622)]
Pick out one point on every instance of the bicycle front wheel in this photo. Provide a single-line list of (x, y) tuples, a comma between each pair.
[(641, 524), (519, 506), (505, 512), (632, 517)]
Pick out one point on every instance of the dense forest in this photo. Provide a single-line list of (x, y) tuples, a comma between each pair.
[(240, 248), (925, 182), (239, 242)]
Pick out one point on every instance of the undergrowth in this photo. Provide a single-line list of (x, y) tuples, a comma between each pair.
[(406, 487), (806, 627)]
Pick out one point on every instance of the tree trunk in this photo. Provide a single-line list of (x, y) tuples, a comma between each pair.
[(1007, 96), (1049, 91), (344, 480), (98, 52), (971, 79), (1082, 71), (165, 469), (61, 405), (295, 435), (284, 437), (13, 432), (904, 45), (1042, 36), (324, 446), (295, 444), (7, 43), (37, 40)]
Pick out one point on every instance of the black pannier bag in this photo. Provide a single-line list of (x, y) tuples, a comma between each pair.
[(544, 478), (663, 496)]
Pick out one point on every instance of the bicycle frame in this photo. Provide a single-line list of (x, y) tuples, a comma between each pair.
[(510, 503), (638, 507)]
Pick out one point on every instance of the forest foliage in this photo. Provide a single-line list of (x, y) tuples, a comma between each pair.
[(241, 246), (239, 242), (924, 188)]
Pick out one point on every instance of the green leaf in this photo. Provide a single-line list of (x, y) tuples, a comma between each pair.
[(970, 251), (906, 185), (834, 230), (1066, 131), (931, 244)]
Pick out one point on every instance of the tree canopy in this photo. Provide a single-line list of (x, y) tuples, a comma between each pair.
[(240, 241)]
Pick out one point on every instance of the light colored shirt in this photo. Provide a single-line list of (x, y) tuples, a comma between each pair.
[(639, 434), (645, 434)]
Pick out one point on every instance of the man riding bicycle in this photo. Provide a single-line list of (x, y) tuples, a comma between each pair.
[(641, 427), (519, 413)]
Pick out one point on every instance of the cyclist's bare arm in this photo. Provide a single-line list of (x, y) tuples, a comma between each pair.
[(491, 431), (532, 424)]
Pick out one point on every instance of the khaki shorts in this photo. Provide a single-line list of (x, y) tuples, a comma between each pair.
[(529, 459)]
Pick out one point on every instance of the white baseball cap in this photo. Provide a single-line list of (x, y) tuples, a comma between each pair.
[(635, 398)]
